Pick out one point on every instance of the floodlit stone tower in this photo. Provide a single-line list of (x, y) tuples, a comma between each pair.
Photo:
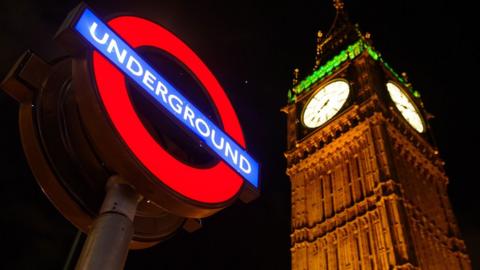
[(369, 190)]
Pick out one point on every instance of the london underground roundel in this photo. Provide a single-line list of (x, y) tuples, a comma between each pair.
[(115, 60)]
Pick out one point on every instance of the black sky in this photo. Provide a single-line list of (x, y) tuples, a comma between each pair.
[(252, 48)]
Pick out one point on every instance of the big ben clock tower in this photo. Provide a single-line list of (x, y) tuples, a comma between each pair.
[(368, 187)]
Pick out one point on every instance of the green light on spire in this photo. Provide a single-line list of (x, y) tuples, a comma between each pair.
[(372, 53), (350, 53)]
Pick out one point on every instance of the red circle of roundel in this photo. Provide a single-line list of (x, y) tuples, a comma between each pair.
[(212, 185)]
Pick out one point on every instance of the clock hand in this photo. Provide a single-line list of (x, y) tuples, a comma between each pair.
[(407, 108), (324, 104)]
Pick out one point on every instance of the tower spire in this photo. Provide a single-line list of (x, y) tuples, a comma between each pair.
[(318, 50), (342, 31), (338, 4)]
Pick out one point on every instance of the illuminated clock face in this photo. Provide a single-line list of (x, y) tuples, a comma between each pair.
[(325, 103), (406, 107)]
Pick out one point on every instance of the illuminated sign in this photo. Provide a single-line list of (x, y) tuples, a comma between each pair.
[(140, 32)]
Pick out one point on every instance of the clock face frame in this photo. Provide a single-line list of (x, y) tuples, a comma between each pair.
[(406, 106), (325, 103)]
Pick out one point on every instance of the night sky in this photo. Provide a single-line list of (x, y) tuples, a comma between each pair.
[(252, 47)]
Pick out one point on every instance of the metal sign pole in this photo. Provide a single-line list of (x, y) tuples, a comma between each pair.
[(106, 246)]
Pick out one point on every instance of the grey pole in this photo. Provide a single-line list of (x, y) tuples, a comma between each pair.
[(106, 246), (72, 250)]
